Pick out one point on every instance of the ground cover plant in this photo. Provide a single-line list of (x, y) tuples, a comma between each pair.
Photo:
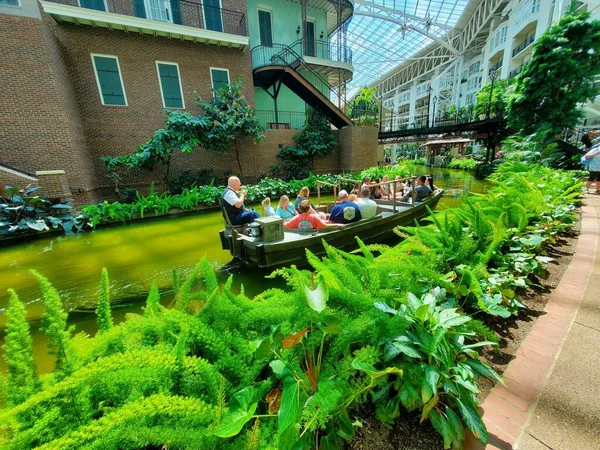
[(397, 327), (464, 164)]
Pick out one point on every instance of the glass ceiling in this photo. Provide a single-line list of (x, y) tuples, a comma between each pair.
[(379, 45)]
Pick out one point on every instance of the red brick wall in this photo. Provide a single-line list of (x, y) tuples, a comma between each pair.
[(36, 130), (358, 148)]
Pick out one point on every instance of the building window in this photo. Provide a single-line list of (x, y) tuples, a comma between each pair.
[(98, 5), (219, 77), (265, 28), (109, 80), (170, 84), (9, 3), (536, 6), (212, 15)]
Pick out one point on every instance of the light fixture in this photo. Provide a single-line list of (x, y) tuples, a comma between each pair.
[(321, 36), (298, 30)]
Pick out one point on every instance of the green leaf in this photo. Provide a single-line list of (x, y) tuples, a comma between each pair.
[(428, 407), (421, 312), (483, 370), (317, 299), (239, 413), (277, 366), (393, 349), (329, 442), (262, 347), (442, 426), (431, 378), (473, 421), (346, 429), (290, 403), (373, 372), (455, 424)]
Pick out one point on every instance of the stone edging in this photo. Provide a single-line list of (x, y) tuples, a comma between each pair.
[(508, 409)]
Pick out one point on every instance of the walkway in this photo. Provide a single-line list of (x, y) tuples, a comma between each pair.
[(552, 395)]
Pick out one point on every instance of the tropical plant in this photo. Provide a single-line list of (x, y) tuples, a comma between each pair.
[(105, 321), (23, 211), (496, 104), (230, 118), (559, 76), (364, 109), (464, 163)]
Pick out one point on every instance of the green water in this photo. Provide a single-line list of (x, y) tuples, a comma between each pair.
[(134, 255)]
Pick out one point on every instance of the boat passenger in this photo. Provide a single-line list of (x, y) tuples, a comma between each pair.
[(398, 187), (269, 210), (429, 184), (303, 195), (385, 188), (352, 198), (307, 221), (232, 201), (376, 193), (368, 208), (366, 182), (421, 190), (345, 211), (285, 209)]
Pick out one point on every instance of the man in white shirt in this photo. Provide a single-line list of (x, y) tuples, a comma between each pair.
[(367, 207), (233, 203)]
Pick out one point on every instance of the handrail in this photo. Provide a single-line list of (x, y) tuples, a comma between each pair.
[(319, 183), (285, 55), (324, 49)]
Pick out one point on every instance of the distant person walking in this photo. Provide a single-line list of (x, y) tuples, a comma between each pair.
[(593, 156)]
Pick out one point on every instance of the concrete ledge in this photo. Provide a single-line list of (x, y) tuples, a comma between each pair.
[(508, 409), (50, 172)]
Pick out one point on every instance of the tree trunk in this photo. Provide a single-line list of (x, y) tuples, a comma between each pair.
[(237, 157)]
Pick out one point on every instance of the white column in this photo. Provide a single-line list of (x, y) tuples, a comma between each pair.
[(413, 102)]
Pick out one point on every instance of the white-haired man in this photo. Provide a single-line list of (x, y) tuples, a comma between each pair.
[(233, 203), (345, 211)]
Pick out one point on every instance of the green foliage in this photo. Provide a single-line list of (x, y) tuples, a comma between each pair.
[(364, 109), (559, 76), (104, 317), (188, 179), (23, 212), (54, 324), (286, 369), (463, 163), (497, 103), (230, 118), (22, 379), (315, 139)]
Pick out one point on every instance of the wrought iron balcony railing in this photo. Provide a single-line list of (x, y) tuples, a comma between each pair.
[(180, 12)]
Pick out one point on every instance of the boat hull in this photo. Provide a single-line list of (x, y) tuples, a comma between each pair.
[(292, 249)]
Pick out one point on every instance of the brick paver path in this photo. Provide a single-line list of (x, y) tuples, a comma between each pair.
[(508, 409)]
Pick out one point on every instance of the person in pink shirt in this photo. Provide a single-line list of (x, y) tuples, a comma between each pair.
[(307, 221)]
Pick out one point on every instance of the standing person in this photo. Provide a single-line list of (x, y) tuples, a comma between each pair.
[(233, 202), (345, 211), (307, 221), (367, 207), (285, 209), (587, 139), (593, 156)]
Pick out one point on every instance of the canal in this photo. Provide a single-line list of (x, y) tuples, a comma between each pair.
[(135, 255)]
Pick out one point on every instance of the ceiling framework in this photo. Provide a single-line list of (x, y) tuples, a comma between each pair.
[(464, 42)]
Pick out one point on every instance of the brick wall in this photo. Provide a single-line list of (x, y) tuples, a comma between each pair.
[(36, 130), (358, 148), (119, 130), (9, 177)]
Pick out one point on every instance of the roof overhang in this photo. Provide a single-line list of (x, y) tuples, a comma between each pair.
[(447, 141), (113, 21)]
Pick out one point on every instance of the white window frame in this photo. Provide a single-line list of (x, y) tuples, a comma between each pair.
[(148, 11), (18, 5), (162, 96), (268, 9), (212, 85), (98, 79), (79, 4)]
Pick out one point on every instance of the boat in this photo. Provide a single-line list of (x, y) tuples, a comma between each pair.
[(264, 252)]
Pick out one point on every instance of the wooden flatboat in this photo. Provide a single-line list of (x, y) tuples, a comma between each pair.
[(292, 248)]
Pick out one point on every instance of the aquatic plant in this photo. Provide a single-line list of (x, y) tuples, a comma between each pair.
[(104, 317)]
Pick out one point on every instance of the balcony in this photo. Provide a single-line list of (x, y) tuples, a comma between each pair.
[(524, 44), (284, 120), (495, 68), (516, 72), (183, 19)]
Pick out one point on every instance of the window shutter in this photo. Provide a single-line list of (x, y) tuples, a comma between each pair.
[(264, 25), (139, 10), (176, 10), (212, 15), (109, 80), (98, 5), (169, 80), (219, 78)]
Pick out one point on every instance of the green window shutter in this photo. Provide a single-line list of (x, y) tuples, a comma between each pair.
[(212, 15), (176, 11), (264, 26), (109, 79), (139, 9), (219, 78), (98, 5), (169, 81)]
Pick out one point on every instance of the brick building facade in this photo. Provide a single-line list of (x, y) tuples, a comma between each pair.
[(52, 113)]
